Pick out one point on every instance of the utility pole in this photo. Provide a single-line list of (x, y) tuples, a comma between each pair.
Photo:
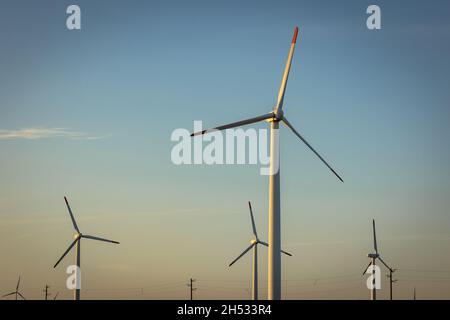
[(191, 287), (46, 292), (391, 281)]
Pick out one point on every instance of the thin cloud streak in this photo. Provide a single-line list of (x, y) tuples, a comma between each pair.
[(45, 133)]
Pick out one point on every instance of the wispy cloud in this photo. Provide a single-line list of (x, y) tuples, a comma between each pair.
[(43, 133)]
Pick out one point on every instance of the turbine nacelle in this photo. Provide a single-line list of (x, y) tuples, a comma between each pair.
[(278, 114), (255, 241), (16, 293), (78, 235), (376, 256)]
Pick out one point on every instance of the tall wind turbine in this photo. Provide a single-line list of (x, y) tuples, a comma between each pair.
[(274, 118), (16, 293), (77, 241), (254, 244), (373, 257)]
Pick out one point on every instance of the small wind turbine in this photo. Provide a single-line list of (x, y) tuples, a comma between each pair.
[(78, 236), (16, 293), (373, 257), (391, 281), (254, 244), (274, 117)]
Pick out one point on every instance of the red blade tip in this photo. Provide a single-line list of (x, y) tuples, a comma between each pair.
[(294, 38)]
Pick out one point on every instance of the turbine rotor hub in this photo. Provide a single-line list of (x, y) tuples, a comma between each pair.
[(278, 114)]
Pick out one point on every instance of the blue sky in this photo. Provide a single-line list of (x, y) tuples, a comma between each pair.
[(374, 103)]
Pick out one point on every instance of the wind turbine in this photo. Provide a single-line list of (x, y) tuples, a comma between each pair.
[(16, 293), (373, 257), (274, 118), (254, 244), (391, 281), (77, 241)]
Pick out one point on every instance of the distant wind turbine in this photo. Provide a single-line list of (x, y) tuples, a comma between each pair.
[(16, 293), (254, 244), (274, 118), (391, 281), (373, 257), (78, 236)]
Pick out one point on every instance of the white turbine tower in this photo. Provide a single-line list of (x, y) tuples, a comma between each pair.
[(78, 236), (254, 244), (16, 293), (373, 257), (274, 118)]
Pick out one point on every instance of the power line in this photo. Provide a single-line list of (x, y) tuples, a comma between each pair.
[(425, 271), (47, 294), (192, 287), (290, 280), (438, 279), (391, 281), (326, 291)]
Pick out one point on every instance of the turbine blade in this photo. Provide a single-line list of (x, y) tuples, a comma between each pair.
[(67, 251), (21, 295), (283, 85), (382, 261), (374, 237), (56, 295), (365, 270), (286, 253), (253, 220), (264, 243), (99, 239), (8, 294), (71, 215), (18, 284), (267, 245), (286, 122), (244, 252), (236, 124)]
